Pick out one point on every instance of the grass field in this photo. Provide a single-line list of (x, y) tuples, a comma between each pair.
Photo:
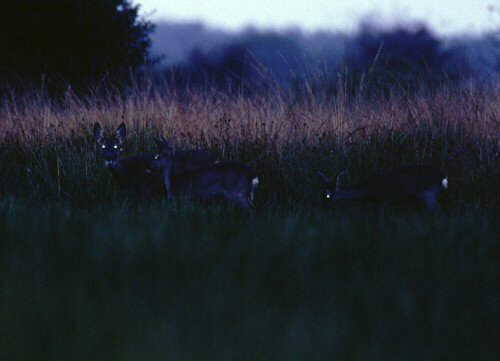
[(86, 273)]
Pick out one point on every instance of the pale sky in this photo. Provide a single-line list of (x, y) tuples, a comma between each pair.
[(444, 16)]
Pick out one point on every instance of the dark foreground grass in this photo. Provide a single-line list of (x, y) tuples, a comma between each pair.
[(86, 274), (177, 281)]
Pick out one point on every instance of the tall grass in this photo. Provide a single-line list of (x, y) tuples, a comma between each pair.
[(51, 150), (87, 273)]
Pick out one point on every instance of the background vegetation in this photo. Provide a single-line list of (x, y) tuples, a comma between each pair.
[(375, 56)]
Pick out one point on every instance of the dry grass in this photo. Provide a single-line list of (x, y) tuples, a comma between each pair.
[(471, 111)]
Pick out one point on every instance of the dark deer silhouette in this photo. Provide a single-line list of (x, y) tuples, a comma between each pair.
[(233, 181), (391, 187), (133, 174)]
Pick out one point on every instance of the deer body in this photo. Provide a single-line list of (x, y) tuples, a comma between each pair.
[(190, 159), (233, 181), (395, 186), (133, 177), (133, 174)]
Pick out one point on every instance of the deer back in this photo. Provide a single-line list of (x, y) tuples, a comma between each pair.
[(225, 178), (402, 184), (192, 159)]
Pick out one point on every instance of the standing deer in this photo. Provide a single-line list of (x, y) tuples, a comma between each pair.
[(395, 186), (133, 174), (233, 181)]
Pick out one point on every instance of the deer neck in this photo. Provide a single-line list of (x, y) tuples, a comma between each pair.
[(169, 176), (118, 172), (350, 192), (115, 167)]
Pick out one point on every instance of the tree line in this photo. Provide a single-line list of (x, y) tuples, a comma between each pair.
[(86, 42)]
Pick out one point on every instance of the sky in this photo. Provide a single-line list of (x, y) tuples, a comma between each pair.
[(446, 17)]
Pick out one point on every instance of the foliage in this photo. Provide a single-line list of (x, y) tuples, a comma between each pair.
[(243, 63), (400, 56), (77, 42), (375, 58)]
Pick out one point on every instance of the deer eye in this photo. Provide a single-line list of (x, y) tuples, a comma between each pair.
[(115, 146), (327, 196), (156, 156), (103, 146)]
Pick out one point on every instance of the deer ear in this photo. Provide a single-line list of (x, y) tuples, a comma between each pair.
[(322, 177), (167, 146), (168, 149), (337, 179), (165, 142), (158, 142), (98, 132), (121, 131)]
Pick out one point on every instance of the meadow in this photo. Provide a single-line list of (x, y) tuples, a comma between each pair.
[(87, 273)]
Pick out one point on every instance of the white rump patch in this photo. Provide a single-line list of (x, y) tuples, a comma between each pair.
[(444, 182), (255, 182)]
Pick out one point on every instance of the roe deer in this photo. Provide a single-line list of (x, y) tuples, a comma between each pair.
[(133, 174), (391, 187), (232, 181)]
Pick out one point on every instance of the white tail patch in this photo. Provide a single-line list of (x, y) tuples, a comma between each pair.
[(445, 183), (255, 182)]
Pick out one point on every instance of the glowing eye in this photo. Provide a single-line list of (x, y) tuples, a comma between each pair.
[(103, 146), (327, 196), (115, 146), (156, 156)]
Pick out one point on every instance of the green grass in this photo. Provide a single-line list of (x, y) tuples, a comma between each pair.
[(184, 282)]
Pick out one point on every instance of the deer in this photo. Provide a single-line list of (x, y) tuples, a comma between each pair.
[(232, 181), (133, 173), (391, 187)]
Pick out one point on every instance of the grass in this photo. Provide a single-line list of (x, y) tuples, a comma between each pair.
[(86, 273), (170, 281)]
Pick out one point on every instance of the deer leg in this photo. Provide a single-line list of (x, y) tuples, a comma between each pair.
[(249, 202), (243, 201), (430, 200)]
